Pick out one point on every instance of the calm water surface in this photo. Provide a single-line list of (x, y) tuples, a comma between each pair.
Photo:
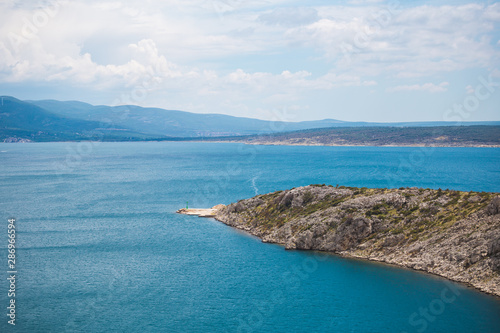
[(100, 248)]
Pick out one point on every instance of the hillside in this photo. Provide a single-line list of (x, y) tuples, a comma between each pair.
[(447, 136), (156, 121), (173, 123), (22, 121), (449, 233)]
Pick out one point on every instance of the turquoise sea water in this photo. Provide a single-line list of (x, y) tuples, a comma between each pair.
[(100, 248)]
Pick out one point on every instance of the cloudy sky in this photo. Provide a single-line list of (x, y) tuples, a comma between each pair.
[(356, 60)]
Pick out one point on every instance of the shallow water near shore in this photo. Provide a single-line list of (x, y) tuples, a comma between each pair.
[(100, 248)]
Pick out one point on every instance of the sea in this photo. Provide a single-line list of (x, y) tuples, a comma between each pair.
[(99, 247)]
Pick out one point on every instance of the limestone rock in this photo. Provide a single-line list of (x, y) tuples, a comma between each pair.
[(449, 233)]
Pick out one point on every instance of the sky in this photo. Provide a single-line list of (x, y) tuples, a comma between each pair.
[(352, 60)]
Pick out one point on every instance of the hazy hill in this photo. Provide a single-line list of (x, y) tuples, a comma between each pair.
[(51, 120), (22, 120), (175, 123)]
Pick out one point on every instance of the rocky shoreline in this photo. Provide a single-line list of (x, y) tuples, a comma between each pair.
[(200, 212), (452, 234), (401, 145), (317, 144)]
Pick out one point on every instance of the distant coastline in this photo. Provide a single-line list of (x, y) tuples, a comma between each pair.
[(444, 136), (19, 140), (56, 121), (358, 145)]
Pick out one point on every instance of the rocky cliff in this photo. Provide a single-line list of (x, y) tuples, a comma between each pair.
[(449, 233)]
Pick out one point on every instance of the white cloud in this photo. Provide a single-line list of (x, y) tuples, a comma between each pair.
[(364, 2), (428, 87), (290, 16), (238, 56), (405, 42)]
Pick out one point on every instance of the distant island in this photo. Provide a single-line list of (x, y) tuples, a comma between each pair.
[(437, 136), (450, 233)]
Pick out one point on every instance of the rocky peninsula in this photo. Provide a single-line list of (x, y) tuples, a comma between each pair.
[(449, 233)]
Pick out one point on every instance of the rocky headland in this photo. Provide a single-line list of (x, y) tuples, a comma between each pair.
[(449, 233)]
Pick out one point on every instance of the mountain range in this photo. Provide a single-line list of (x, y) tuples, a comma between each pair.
[(52, 120)]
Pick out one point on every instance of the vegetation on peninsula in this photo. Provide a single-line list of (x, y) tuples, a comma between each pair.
[(450, 233)]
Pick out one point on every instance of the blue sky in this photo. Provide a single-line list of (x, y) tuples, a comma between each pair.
[(355, 60)]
